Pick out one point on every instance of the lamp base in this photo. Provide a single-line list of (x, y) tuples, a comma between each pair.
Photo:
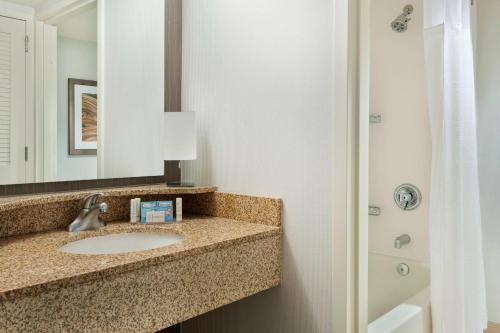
[(180, 184)]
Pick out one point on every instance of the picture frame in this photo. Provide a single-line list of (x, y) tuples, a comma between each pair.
[(82, 119)]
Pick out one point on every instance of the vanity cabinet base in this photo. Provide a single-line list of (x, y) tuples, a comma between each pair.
[(150, 298)]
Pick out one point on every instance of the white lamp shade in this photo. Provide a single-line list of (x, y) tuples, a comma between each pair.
[(179, 139)]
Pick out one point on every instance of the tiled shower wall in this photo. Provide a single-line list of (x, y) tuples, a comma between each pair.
[(400, 146)]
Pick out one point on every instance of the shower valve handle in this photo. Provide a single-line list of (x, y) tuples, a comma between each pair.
[(407, 197)]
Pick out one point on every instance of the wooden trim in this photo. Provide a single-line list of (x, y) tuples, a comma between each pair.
[(493, 328), (172, 171), (173, 55), (77, 185), (71, 116)]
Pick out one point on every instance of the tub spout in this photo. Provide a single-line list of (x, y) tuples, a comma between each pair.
[(401, 241)]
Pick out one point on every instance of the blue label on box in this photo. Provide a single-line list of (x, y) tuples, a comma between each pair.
[(147, 206), (157, 211), (168, 208)]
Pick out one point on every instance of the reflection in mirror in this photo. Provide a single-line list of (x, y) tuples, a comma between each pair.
[(76, 94), (131, 81), (80, 91)]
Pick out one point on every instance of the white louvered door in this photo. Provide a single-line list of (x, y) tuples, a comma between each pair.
[(12, 101)]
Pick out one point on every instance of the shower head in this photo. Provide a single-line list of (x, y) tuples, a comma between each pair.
[(400, 24)]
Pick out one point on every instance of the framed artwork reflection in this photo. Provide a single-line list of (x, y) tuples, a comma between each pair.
[(82, 108)]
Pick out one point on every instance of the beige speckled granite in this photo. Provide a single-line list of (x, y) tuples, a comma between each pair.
[(36, 213), (8, 203), (222, 258), (151, 298), (31, 263), (236, 206)]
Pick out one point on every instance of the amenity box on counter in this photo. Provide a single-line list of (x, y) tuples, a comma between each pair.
[(157, 212)]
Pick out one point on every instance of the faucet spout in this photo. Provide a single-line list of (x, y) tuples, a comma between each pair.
[(89, 219), (401, 241)]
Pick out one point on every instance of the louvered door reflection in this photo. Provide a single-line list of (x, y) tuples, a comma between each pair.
[(12, 101)]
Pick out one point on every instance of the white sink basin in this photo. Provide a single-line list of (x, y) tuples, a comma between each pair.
[(121, 243)]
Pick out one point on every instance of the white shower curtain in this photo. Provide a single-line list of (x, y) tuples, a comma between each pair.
[(458, 297)]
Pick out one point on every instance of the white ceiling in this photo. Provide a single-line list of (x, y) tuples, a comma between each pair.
[(30, 3), (80, 24)]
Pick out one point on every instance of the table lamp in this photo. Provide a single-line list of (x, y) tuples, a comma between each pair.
[(179, 144)]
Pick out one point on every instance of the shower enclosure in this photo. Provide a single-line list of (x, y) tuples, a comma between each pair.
[(399, 170), (415, 223)]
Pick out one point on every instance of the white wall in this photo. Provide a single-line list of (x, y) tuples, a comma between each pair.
[(78, 60), (400, 146), (131, 80), (488, 116), (259, 75)]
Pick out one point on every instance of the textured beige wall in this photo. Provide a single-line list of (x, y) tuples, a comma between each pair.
[(259, 75)]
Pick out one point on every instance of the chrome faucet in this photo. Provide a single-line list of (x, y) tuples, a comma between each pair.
[(401, 241), (89, 219)]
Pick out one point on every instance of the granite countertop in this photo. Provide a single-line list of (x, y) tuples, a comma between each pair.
[(13, 202), (31, 263)]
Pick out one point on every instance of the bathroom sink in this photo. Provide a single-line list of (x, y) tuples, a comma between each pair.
[(121, 243)]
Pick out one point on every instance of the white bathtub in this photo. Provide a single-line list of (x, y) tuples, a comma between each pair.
[(398, 304)]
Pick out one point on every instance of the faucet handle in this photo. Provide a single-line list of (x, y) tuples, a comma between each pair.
[(90, 200), (103, 207)]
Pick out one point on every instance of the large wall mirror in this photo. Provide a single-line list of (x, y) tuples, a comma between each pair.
[(81, 89)]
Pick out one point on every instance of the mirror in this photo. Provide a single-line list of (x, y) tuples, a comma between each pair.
[(81, 89)]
